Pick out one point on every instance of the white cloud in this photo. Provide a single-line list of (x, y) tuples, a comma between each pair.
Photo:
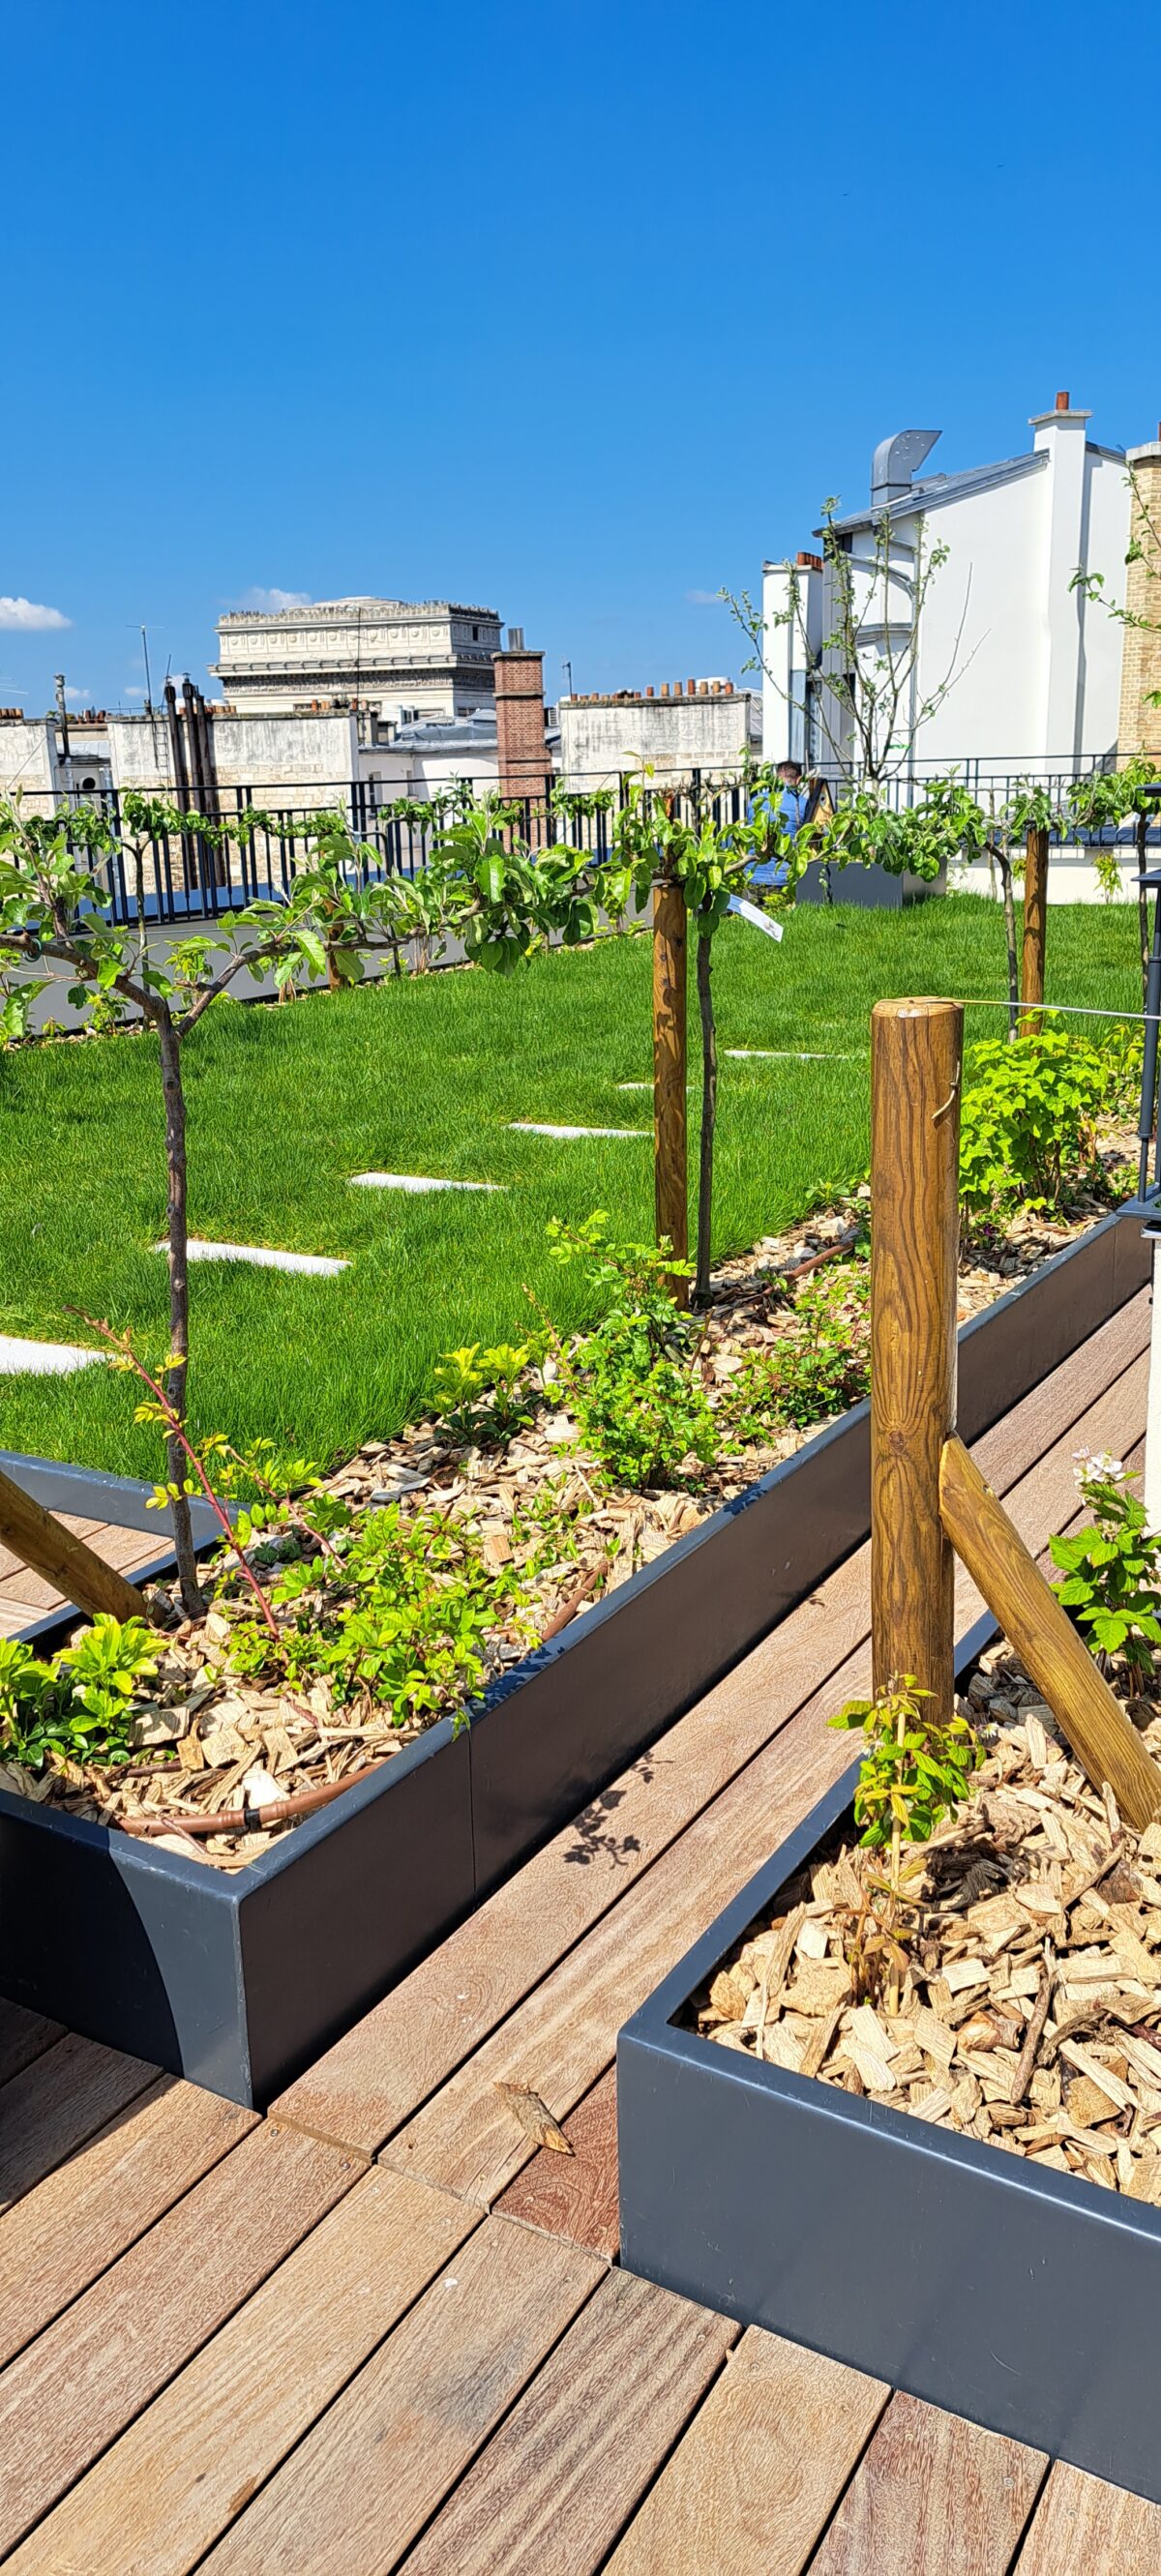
[(705, 598), (82, 696), (273, 600), (27, 616), (134, 693)]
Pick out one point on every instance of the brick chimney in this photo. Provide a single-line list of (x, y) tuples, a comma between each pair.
[(523, 758), (1140, 725)]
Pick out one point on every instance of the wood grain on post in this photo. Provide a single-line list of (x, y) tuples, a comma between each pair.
[(1035, 927), (55, 1552), (1049, 1647), (670, 1170), (916, 1056)]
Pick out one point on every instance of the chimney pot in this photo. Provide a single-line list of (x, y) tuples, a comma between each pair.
[(1063, 402), (649, 690), (703, 688), (803, 561), (691, 688), (729, 688), (665, 688), (717, 689)]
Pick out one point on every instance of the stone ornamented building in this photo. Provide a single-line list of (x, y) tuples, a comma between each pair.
[(407, 662), (1140, 726)]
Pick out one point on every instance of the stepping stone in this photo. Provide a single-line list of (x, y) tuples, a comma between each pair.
[(414, 1182), (20, 1358), (262, 1258), (536, 1127)]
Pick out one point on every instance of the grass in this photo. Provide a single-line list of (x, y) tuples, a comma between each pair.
[(423, 1076)]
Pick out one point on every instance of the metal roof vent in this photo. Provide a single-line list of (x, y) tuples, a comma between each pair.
[(896, 460)]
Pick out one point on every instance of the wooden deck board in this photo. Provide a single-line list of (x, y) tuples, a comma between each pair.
[(25, 1596), (382, 2377), (554, 2486), (761, 2467), (418, 2412), (23, 2036), (377, 2076), (933, 2493), (71, 2226), (76, 2388), (1085, 2528), (54, 2104), (173, 2483)]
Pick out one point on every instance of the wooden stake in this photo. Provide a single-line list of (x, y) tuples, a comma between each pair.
[(916, 1056), (670, 1172), (1048, 1645), (1035, 927), (63, 1559)]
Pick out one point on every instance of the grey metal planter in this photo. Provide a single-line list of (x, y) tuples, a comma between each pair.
[(238, 1980), (1024, 2300)]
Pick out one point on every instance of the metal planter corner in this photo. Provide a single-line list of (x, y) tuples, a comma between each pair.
[(1024, 2300)]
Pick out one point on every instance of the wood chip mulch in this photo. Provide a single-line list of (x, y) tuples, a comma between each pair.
[(1030, 2013)]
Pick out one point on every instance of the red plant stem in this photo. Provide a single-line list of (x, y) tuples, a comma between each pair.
[(121, 1342)]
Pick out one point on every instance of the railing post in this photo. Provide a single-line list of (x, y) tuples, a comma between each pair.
[(916, 1056), (1035, 927), (670, 1169)]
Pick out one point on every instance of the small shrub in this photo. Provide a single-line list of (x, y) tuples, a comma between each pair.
[(78, 1706), (482, 1394), (632, 1382), (913, 1771), (818, 1369), (1028, 1123), (1112, 1571), (396, 1614)]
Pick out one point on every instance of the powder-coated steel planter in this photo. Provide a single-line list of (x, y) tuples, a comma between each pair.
[(238, 1980), (1026, 2300)]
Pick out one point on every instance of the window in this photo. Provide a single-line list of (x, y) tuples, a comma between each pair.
[(475, 634)]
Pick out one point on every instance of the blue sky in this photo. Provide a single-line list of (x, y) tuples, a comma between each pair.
[(574, 311)]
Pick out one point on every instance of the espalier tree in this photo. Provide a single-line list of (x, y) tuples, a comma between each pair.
[(52, 909)]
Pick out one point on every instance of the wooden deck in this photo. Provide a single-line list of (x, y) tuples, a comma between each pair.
[(380, 2330), (25, 1597)]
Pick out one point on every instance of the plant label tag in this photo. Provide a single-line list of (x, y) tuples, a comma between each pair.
[(750, 912)]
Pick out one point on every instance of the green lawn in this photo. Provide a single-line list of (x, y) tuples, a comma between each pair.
[(423, 1076)]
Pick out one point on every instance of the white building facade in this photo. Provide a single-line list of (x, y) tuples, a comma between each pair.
[(1021, 674), (406, 661)]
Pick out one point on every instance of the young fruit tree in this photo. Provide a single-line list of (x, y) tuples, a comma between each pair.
[(52, 910), (870, 697)]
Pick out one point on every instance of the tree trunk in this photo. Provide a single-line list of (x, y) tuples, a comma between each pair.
[(175, 1383), (709, 1115), (1010, 938), (669, 1073)]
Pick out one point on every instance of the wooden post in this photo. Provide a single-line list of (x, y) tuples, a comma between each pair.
[(916, 1056), (1049, 1647), (670, 1174), (63, 1559), (1035, 928)]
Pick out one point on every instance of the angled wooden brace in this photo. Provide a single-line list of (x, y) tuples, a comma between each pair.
[(50, 1549)]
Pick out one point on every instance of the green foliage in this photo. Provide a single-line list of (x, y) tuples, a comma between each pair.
[(633, 1381), (481, 1393), (1028, 1120), (78, 1706), (819, 1368), (397, 1617), (913, 1771), (1113, 1569)]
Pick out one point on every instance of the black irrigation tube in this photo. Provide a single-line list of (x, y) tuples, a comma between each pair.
[(239, 1980)]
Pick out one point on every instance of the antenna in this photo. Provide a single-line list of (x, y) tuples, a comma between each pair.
[(148, 681)]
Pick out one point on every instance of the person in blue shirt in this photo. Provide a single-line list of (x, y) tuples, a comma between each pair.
[(790, 812)]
